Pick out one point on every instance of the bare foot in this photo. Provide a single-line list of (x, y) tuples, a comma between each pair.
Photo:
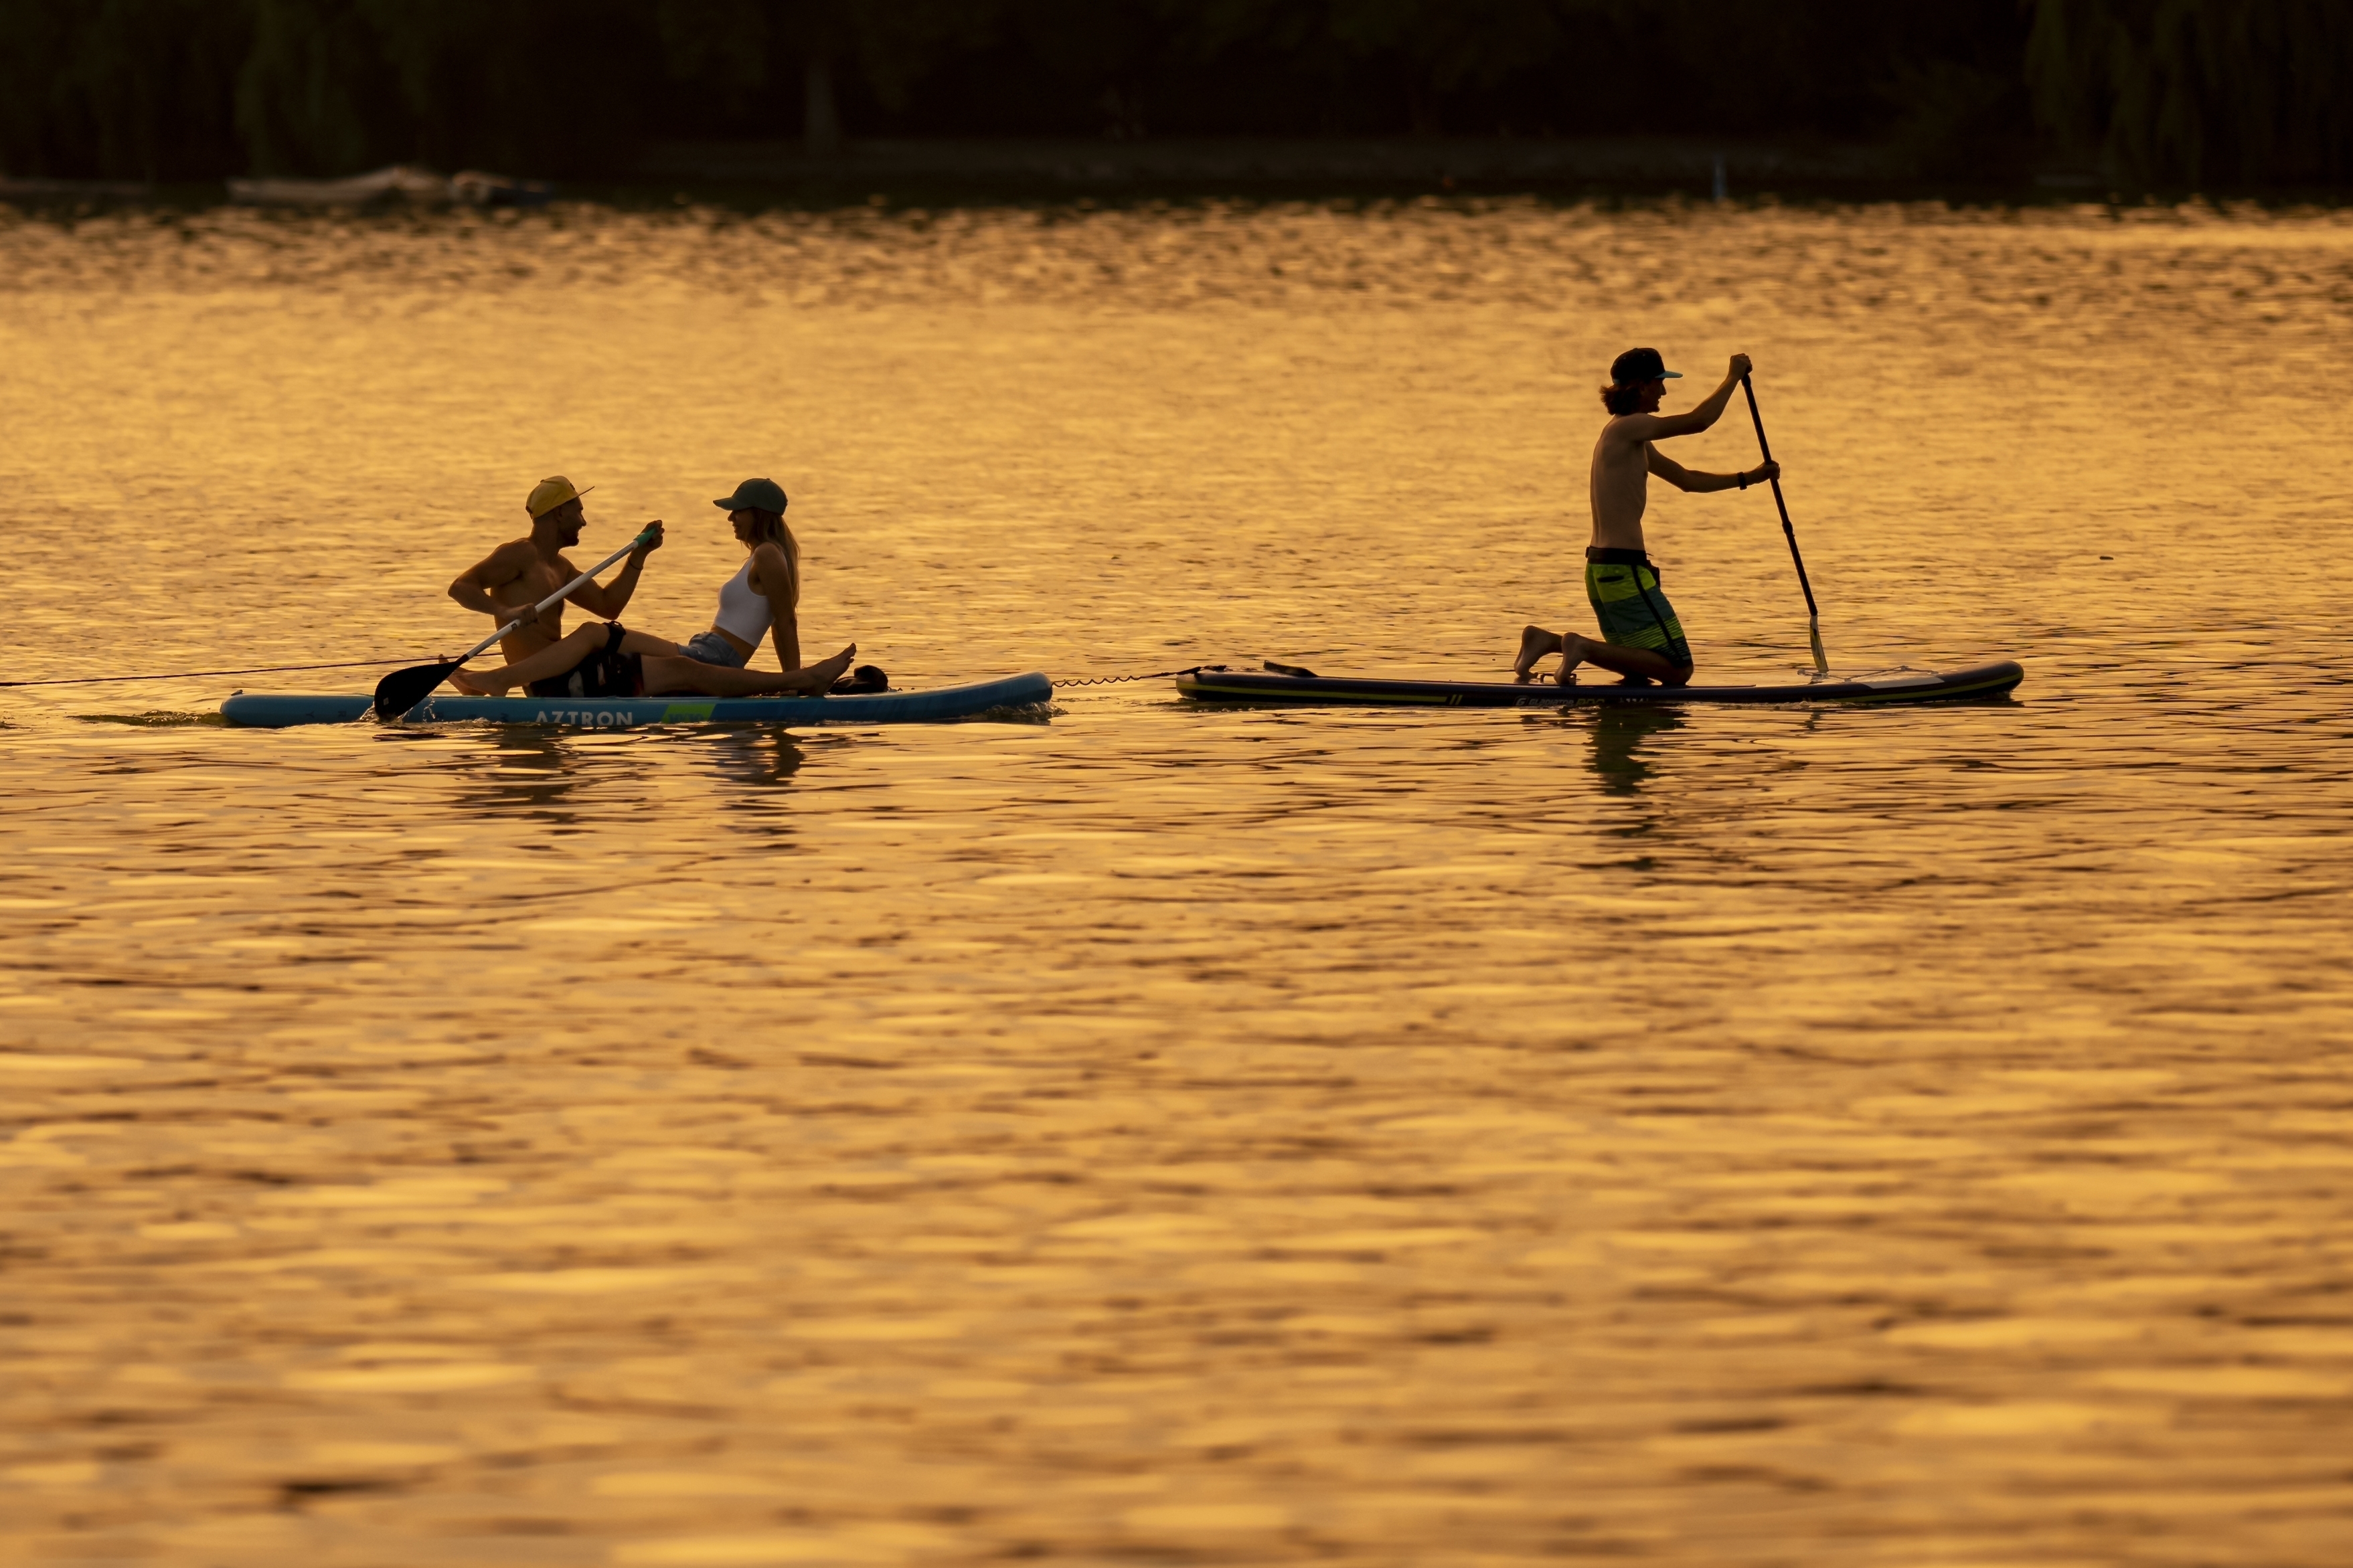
[(1534, 643), (1572, 654), (463, 680), (830, 670)]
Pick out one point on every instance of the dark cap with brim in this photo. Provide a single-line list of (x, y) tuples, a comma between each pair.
[(754, 495), (1639, 367)]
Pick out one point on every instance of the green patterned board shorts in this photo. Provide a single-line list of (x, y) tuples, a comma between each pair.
[(1632, 610)]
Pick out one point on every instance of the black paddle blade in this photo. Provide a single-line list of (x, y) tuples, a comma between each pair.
[(397, 693)]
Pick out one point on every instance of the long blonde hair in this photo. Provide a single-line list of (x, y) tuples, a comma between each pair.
[(768, 528)]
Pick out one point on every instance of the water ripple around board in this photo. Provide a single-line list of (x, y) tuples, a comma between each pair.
[(1134, 1132)]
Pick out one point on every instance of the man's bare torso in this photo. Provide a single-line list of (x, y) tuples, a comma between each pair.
[(1621, 487), (537, 577)]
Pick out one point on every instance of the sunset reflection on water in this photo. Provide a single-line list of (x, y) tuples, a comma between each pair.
[(1146, 1133)]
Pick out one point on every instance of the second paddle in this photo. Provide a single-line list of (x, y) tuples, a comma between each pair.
[(1813, 614)]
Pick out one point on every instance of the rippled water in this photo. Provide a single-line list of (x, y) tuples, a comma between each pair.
[(1907, 1137)]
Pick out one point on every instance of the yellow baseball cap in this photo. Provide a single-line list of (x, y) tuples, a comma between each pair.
[(551, 493)]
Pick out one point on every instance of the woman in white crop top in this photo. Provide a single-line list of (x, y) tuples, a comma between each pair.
[(761, 599)]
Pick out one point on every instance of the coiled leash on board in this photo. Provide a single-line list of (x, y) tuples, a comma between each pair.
[(1188, 669), (1118, 679)]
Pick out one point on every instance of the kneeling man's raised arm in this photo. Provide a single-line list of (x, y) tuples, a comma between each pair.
[(1658, 426)]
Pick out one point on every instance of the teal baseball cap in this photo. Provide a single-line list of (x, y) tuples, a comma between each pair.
[(754, 495)]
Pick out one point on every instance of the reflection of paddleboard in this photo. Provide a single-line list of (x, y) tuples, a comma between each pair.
[(628, 712), (1215, 684)]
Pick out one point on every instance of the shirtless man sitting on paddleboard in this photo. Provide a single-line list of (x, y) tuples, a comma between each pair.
[(1641, 637), (596, 660)]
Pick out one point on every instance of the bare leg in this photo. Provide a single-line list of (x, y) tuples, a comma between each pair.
[(556, 658), (1639, 665), (1534, 643), (668, 677)]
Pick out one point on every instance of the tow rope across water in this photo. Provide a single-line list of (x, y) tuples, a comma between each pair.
[(198, 674), (403, 658)]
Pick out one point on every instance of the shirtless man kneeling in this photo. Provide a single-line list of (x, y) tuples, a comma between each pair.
[(597, 659), (1641, 637)]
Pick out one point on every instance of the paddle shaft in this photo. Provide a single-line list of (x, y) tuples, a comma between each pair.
[(1788, 532), (570, 588)]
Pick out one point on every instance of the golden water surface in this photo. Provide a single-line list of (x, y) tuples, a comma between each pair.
[(1149, 1135)]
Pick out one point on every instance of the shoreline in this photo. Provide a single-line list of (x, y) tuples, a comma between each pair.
[(990, 171)]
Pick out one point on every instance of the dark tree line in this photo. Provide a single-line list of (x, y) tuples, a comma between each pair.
[(2167, 90), (2241, 90)]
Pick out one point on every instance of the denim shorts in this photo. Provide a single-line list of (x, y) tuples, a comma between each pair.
[(710, 648)]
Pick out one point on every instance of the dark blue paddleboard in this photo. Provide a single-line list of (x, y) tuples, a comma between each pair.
[(629, 713), (1215, 683)]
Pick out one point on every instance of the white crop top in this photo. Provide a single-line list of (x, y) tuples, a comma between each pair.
[(744, 611)]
